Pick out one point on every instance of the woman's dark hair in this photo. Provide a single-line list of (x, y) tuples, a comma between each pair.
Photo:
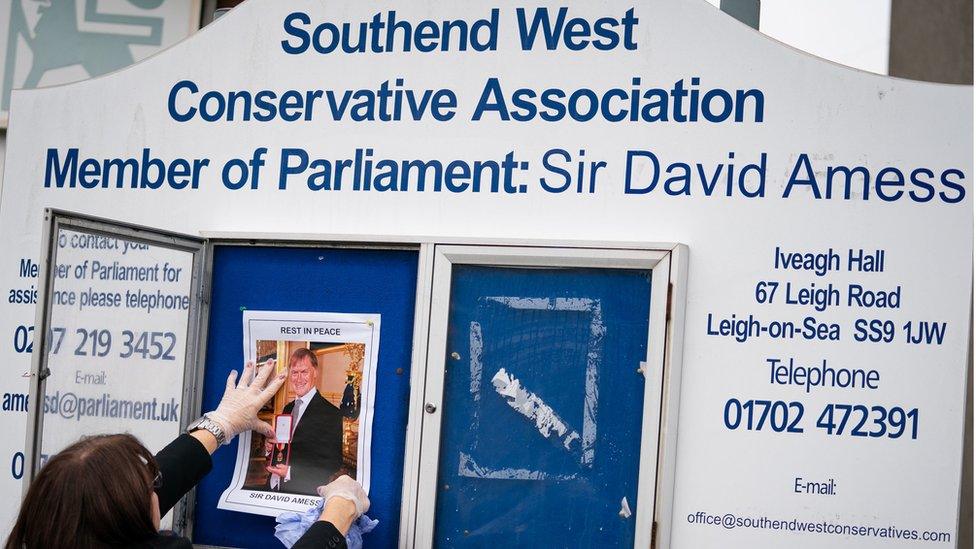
[(95, 493)]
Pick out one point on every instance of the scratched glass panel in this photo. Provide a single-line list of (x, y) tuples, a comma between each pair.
[(116, 340), (542, 407)]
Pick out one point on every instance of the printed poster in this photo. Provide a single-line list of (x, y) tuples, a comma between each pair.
[(322, 415)]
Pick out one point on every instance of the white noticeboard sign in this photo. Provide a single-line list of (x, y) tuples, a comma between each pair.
[(828, 214)]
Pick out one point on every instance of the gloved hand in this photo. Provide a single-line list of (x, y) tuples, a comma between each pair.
[(238, 409), (346, 488)]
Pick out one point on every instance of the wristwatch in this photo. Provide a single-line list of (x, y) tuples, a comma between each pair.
[(210, 425)]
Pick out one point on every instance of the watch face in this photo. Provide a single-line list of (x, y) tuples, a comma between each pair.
[(196, 423)]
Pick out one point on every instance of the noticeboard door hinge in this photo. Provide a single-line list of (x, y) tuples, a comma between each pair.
[(654, 524), (667, 305)]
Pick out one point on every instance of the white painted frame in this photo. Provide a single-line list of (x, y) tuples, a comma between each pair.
[(197, 319), (667, 264)]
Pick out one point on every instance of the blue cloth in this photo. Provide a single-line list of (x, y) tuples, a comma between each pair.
[(291, 526), (363, 525)]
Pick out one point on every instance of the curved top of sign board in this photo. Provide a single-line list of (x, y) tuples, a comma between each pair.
[(257, 14)]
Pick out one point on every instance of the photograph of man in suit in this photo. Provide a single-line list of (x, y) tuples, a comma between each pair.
[(315, 451)]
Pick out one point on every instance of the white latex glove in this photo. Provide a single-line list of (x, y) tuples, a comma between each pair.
[(347, 488), (238, 410)]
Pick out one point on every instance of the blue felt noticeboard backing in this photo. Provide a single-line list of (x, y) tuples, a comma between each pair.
[(522, 343), (306, 279)]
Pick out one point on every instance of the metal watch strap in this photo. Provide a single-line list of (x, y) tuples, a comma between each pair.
[(212, 427)]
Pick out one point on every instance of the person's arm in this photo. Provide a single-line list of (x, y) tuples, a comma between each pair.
[(345, 501), (182, 463), (186, 460), (206, 438), (321, 534), (340, 513)]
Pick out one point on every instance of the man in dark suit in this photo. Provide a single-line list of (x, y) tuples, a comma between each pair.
[(315, 451)]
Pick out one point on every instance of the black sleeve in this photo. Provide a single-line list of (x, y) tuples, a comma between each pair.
[(321, 534), (182, 463)]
